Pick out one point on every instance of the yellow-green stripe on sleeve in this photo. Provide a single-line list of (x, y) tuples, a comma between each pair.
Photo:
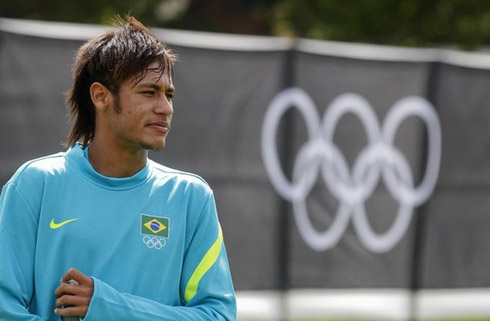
[(207, 261)]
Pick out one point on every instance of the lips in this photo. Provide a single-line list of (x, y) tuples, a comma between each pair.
[(160, 126)]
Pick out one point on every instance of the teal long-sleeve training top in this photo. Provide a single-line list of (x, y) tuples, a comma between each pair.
[(151, 242)]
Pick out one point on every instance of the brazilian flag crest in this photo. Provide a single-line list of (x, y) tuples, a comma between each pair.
[(155, 225)]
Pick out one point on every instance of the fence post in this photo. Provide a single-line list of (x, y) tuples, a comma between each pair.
[(421, 216), (284, 215)]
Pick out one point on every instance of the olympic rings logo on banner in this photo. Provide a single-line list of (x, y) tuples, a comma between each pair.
[(154, 242), (380, 158)]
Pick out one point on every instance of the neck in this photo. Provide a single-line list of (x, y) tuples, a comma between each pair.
[(114, 161)]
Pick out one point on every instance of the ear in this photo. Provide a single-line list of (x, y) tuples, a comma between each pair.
[(101, 96)]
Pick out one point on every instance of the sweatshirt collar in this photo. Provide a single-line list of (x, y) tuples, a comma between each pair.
[(78, 158)]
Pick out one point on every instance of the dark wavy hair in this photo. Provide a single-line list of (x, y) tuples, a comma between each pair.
[(112, 57)]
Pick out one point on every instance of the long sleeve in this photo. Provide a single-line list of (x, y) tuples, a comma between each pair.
[(206, 287), (18, 230)]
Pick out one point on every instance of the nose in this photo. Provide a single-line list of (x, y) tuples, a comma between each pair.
[(164, 106)]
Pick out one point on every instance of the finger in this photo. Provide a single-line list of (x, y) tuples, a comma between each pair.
[(72, 301), (71, 312), (74, 274), (65, 288), (78, 290)]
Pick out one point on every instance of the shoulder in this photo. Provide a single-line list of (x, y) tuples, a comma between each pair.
[(186, 180), (39, 168)]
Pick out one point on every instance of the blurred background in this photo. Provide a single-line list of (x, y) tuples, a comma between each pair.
[(454, 23), (235, 57)]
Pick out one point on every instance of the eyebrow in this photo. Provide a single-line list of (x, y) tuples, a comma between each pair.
[(157, 87)]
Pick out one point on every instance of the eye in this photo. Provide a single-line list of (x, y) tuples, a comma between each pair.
[(170, 95), (148, 93)]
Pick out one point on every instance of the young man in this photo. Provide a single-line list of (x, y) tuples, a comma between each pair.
[(101, 232)]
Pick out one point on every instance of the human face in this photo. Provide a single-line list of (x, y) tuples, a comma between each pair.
[(143, 111)]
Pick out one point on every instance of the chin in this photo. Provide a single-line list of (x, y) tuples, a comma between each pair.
[(153, 146)]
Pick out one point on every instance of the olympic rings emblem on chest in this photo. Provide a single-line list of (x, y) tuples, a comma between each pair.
[(154, 242), (379, 159)]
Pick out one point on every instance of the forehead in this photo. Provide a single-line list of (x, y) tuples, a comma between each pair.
[(154, 73)]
